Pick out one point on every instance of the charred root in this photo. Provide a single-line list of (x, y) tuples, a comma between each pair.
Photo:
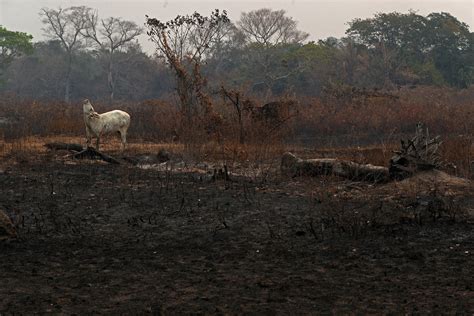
[(419, 153)]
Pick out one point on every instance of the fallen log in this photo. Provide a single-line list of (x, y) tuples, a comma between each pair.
[(294, 166), (81, 153), (64, 146), (92, 153), (77, 151)]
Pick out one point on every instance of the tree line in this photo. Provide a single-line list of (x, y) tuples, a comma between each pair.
[(263, 53)]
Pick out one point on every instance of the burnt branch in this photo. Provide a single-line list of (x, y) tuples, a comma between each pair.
[(419, 153)]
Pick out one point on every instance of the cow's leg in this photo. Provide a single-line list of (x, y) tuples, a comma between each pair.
[(123, 136), (88, 137)]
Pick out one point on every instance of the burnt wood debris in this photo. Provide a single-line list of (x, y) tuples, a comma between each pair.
[(419, 153)]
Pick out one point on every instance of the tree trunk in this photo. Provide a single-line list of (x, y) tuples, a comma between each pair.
[(67, 93), (241, 127), (184, 90), (110, 78), (294, 166)]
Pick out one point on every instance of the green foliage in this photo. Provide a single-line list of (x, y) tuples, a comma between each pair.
[(12, 45), (429, 74), (411, 41), (452, 48), (313, 52), (384, 51)]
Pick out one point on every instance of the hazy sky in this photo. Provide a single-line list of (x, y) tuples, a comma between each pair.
[(320, 18)]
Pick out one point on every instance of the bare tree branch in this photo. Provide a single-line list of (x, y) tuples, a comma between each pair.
[(66, 25), (268, 27), (113, 35), (184, 42)]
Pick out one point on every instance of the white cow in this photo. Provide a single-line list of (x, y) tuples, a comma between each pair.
[(108, 122)]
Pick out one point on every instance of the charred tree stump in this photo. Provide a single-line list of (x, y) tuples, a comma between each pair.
[(419, 153), (221, 174), (294, 166)]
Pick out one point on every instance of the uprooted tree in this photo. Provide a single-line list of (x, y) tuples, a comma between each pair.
[(419, 153), (185, 42), (416, 154)]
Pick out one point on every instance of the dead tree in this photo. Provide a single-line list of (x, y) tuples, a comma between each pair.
[(235, 98), (66, 26), (294, 166), (269, 27), (419, 153), (110, 36), (185, 42)]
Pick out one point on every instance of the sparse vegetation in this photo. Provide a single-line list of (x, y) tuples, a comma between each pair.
[(196, 215)]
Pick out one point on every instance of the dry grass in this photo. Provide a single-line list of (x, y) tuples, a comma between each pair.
[(363, 132)]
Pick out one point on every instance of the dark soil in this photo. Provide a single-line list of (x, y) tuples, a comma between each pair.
[(98, 238)]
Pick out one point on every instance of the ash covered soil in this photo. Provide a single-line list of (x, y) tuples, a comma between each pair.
[(98, 238)]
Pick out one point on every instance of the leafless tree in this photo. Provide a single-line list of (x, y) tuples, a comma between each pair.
[(228, 37), (269, 27), (66, 26), (236, 98), (110, 35)]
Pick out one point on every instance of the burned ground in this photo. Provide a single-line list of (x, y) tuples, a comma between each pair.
[(98, 238)]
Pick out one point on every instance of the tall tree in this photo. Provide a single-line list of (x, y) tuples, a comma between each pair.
[(270, 35), (411, 42), (270, 27), (66, 25), (451, 48), (383, 34), (184, 42), (110, 35), (40, 75), (12, 45)]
